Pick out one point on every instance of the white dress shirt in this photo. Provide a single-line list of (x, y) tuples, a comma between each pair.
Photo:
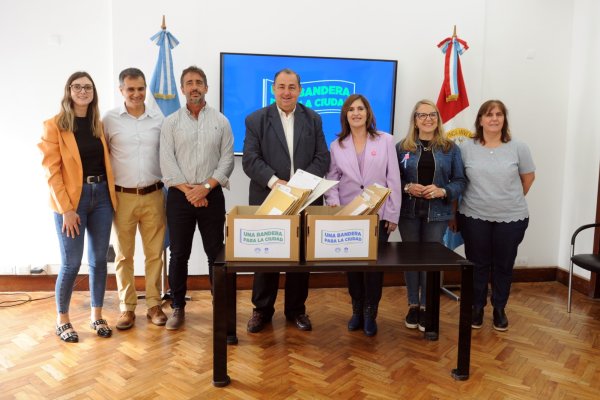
[(287, 120), (134, 146)]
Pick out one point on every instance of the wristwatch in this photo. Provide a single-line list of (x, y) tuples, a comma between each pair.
[(207, 186)]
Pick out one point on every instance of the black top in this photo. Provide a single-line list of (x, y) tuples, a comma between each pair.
[(426, 164), (425, 172), (90, 148)]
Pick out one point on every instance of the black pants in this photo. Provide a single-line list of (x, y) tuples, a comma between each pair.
[(266, 284), (366, 287), (492, 248), (264, 292), (182, 219)]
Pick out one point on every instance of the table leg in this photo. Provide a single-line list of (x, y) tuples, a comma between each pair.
[(231, 308), (461, 373), (220, 377), (432, 322)]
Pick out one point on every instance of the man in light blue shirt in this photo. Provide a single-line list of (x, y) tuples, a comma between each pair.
[(196, 160)]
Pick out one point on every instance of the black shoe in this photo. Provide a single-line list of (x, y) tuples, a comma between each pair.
[(477, 317), (370, 315), (370, 327), (302, 322), (500, 320), (421, 324), (356, 322), (257, 322), (69, 337), (102, 331), (412, 318)]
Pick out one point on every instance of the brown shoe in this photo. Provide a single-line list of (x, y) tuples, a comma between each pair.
[(257, 322), (156, 316), (126, 320), (176, 319)]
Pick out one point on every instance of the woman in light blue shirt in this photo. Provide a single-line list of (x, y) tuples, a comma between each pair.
[(493, 214)]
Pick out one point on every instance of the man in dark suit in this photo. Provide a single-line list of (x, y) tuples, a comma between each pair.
[(281, 138)]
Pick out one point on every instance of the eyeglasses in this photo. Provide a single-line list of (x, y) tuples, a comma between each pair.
[(78, 88), (423, 116)]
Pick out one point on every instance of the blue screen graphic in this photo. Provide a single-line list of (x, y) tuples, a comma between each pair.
[(246, 86)]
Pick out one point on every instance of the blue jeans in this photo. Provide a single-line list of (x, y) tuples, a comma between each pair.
[(95, 211), (419, 230), (492, 248)]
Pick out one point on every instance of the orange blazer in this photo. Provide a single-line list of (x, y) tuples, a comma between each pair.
[(64, 170)]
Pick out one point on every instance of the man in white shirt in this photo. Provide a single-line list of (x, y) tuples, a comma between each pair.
[(133, 135), (196, 160)]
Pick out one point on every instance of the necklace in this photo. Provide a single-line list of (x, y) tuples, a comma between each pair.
[(426, 145)]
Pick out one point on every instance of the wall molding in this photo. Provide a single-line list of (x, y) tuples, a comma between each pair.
[(37, 283)]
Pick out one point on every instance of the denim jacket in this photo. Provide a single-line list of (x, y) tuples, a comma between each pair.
[(449, 174)]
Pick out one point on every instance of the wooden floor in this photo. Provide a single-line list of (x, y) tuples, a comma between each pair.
[(546, 354)]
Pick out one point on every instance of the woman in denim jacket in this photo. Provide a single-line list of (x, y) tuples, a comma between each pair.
[(432, 175)]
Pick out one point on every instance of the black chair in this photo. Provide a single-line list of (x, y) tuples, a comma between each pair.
[(590, 261)]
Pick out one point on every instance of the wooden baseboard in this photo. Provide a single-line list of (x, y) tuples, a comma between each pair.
[(36, 283)]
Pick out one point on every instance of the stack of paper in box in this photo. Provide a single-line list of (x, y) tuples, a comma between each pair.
[(290, 199), (368, 202)]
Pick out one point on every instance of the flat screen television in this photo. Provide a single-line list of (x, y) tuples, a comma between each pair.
[(247, 79)]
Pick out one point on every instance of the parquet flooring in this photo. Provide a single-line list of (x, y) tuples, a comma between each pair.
[(546, 354)]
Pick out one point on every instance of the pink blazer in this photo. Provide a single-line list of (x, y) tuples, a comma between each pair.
[(380, 166)]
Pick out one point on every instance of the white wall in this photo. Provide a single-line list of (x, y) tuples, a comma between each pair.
[(579, 173), (532, 54), (44, 42)]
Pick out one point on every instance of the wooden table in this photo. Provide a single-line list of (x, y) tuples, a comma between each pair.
[(393, 256)]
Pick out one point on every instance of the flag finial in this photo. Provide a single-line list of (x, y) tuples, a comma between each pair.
[(164, 25), (453, 33)]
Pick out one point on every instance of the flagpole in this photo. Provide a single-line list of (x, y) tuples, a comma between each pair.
[(163, 26)]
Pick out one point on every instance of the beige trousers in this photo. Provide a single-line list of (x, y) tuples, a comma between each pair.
[(146, 213)]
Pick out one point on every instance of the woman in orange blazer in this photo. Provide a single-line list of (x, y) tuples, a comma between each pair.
[(82, 195)]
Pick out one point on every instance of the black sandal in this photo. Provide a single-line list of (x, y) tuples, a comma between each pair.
[(69, 337), (104, 332)]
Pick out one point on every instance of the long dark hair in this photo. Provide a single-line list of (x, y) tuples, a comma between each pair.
[(66, 116), (371, 125)]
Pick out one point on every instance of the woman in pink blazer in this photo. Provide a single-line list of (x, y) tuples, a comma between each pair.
[(362, 156)]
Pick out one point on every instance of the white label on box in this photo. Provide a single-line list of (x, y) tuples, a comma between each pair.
[(341, 239), (261, 238)]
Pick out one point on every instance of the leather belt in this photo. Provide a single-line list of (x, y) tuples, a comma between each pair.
[(140, 191), (94, 179)]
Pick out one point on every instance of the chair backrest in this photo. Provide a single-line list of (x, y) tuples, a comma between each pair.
[(584, 227)]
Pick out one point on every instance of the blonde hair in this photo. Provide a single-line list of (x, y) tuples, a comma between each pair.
[(66, 116), (439, 141)]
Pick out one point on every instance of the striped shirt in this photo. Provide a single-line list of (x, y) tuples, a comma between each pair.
[(193, 150)]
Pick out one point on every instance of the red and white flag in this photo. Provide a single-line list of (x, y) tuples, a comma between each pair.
[(453, 95), (452, 100)]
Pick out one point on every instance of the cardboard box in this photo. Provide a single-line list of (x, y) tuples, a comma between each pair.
[(250, 237), (332, 237)]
